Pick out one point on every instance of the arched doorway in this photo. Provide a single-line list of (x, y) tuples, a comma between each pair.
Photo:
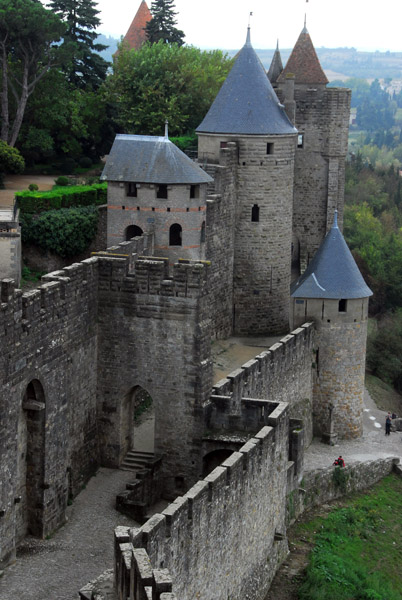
[(31, 462), (137, 422), (133, 231), (214, 459)]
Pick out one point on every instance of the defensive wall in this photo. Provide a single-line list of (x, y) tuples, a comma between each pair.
[(10, 244), (283, 373), (71, 350), (236, 515)]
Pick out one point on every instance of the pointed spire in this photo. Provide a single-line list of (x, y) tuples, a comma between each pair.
[(136, 35), (333, 272), (246, 103), (276, 66), (304, 30), (303, 62), (167, 129), (248, 38)]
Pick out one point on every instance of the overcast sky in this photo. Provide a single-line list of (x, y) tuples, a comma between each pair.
[(362, 24)]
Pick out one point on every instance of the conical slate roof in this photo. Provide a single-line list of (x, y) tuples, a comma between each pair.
[(150, 159), (136, 35), (246, 102), (303, 62), (276, 67), (332, 273)]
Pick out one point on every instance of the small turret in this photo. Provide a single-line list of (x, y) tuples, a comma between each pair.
[(303, 63), (333, 293), (136, 35)]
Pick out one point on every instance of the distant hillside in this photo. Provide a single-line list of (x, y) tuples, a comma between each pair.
[(338, 63)]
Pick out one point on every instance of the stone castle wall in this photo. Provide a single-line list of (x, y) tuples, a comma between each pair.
[(233, 515), (282, 373), (263, 248), (322, 118)]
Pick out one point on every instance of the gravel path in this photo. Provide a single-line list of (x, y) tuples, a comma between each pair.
[(57, 568)]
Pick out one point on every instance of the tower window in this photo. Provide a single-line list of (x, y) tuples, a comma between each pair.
[(203, 232), (270, 148), (300, 140), (342, 305), (224, 144), (255, 213), (194, 191), (132, 189), (162, 191), (175, 232)]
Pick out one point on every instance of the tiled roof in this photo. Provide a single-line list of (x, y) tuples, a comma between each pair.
[(246, 103), (276, 67), (332, 273), (150, 159), (303, 62), (136, 35)]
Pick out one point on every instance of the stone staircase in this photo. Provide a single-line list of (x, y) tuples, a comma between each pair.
[(135, 460)]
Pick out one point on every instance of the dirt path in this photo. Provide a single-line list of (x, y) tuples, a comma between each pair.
[(17, 183)]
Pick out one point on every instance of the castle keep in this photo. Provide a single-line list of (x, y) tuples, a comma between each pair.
[(197, 251)]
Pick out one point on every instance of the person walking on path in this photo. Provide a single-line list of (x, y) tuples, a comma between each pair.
[(388, 422)]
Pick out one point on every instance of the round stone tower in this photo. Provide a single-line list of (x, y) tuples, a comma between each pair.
[(333, 293), (247, 112)]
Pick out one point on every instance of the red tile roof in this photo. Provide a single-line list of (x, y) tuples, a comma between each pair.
[(136, 35), (303, 62)]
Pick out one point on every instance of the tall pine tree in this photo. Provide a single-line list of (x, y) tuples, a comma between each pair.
[(162, 25), (86, 69)]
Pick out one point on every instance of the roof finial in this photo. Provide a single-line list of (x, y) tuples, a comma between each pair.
[(335, 225), (166, 129), (248, 40)]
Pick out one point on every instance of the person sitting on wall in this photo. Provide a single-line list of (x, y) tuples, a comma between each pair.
[(339, 462)]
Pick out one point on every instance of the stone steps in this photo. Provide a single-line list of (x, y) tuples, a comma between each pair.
[(135, 460)]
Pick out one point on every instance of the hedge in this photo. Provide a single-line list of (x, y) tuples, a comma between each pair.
[(62, 197)]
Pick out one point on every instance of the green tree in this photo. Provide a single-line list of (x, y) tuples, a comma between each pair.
[(28, 33), (86, 68), (163, 81), (11, 160), (162, 25)]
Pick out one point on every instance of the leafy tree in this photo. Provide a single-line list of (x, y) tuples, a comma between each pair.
[(162, 25), (11, 160), (162, 81), (28, 33), (86, 67)]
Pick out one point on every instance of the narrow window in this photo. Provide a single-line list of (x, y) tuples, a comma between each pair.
[(162, 191), (194, 191), (342, 305), (133, 231), (270, 148), (203, 232), (132, 189), (175, 235), (224, 144), (300, 140), (255, 213)]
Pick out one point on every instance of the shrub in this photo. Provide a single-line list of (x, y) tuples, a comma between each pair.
[(61, 181), (62, 197), (33, 187), (66, 232), (85, 162)]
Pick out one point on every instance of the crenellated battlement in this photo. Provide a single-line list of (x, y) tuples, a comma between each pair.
[(225, 499)]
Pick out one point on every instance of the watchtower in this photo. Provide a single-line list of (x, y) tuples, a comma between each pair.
[(333, 293), (247, 111), (321, 116)]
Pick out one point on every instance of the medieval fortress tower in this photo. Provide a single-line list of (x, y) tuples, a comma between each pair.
[(246, 241)]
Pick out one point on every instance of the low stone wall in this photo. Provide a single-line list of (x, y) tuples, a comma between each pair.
[(323, 485)]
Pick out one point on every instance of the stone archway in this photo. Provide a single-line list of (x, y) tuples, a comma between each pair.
[(137, 422), (31, 462)]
